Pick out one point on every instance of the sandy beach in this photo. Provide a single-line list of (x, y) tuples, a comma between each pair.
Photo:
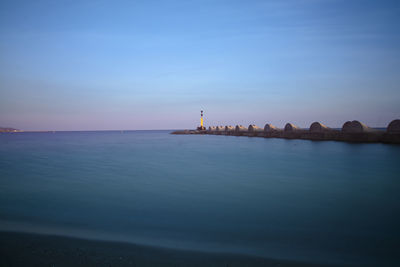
[(23, 249)]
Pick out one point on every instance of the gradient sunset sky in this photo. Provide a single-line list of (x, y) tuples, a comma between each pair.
[(103, 65)]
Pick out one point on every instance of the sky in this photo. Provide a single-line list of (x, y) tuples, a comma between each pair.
[(131, 65)]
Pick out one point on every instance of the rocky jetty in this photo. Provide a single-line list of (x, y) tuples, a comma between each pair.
[(189, 132), (351, 131)]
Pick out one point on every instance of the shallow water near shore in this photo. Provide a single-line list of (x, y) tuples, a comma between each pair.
[(324, 202)]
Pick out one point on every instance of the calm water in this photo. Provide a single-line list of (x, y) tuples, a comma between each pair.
[(322, 201)]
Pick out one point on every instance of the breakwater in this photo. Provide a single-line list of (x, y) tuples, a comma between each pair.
[(351, 131)]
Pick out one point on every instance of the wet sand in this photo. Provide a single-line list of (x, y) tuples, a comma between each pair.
[(22, 249)]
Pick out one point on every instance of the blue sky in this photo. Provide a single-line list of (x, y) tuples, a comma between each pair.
[(96, 65)]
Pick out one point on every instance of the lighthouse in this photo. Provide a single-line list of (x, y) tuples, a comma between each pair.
[(201, 122)]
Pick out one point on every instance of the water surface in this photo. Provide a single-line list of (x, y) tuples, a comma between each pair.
[(329, 202)]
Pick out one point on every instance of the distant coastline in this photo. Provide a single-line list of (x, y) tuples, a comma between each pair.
[(9, 130)]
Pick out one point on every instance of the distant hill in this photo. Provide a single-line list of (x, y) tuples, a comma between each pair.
[(8, 130)]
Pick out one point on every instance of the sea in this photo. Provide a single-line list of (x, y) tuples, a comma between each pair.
[(315, 201)]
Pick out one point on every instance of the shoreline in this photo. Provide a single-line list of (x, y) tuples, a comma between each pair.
[(28, 249)]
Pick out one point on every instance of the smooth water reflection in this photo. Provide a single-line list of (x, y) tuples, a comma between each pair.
[(325, 201)]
